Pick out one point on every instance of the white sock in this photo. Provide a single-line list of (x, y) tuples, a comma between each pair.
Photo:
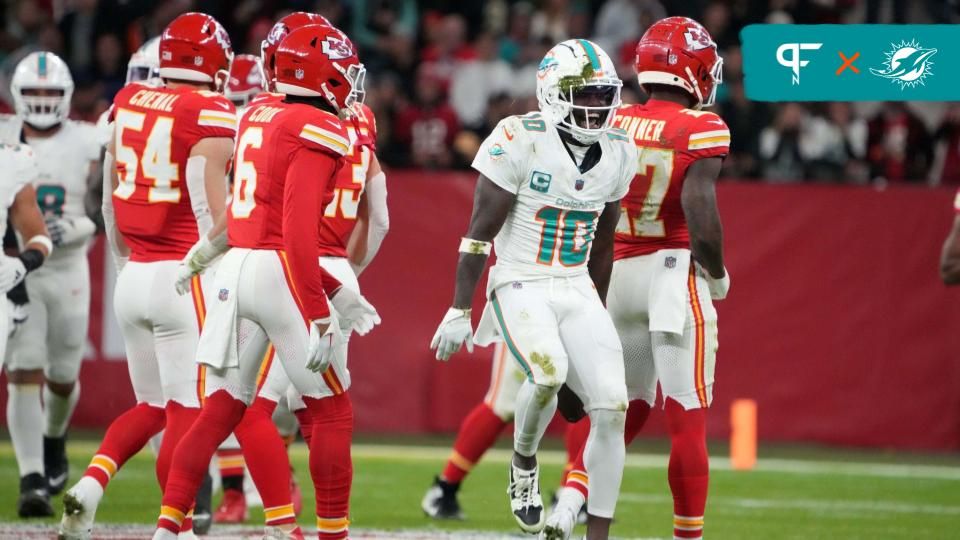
[(25, 422), (603, 457), (58, 410), (89, 491), (163, 534), (570, 500), (535, 407)]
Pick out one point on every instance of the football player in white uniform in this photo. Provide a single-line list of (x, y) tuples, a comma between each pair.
[(50, 345), (549, 190), (18, 163)]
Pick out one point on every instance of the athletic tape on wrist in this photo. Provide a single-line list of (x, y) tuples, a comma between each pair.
[(43, 240), (474, 247)]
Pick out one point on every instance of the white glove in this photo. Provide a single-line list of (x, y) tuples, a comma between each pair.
[(719, 287), (455, 330), (354, 311), (322, 345), (18, 316), (196, 261), (12, 272), (68, 231)]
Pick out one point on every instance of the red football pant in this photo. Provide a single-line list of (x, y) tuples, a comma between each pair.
[(220, 415), (477, 434), (266, 457), (330, 464), (126, 436), (689, 470)]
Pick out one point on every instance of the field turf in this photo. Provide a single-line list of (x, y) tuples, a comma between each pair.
[(805, 493)]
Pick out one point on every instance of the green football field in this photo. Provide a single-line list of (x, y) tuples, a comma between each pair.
[(793, 493)]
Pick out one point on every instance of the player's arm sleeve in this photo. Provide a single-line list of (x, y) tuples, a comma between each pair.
[(709, 137), (302, 204), (378, 217), (500, 157)]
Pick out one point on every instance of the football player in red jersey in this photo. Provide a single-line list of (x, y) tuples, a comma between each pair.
[(950, 257), (168, 156), (669, 260), (288, 153), (354, 225)]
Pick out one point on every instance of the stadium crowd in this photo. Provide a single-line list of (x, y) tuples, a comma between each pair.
[(442, 73)]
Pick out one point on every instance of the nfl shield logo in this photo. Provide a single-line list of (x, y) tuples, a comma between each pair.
[(578, 185), (198, 60), (670, 262), (298, 74), (223, 295)]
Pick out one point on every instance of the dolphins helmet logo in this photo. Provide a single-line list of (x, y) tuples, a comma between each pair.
[(907, 64)]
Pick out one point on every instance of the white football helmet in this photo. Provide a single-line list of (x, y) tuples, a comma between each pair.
[(144, 65), (570, 72), (42, 71)]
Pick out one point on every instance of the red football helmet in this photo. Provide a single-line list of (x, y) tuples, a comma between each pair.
[(268, 47), (319, 61), (680, 52), (194, 47), (246, 79)]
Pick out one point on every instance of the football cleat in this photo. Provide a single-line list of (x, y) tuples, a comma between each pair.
[(232, 509), (202, 513), (55, 464), (525, 501), (559, 525), (34, 499), (77, 520), (276, 533), (440, 501), (581, 514)]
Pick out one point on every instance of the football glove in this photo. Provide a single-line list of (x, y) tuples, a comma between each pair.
[(69, 231), (454, 331), (323, 342), (12, 272), (354, 311), (196, 261)]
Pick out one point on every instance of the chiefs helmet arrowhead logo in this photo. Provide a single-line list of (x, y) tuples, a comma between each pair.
[(336, 49)]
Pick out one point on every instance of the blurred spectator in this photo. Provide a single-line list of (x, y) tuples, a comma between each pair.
[(78, 28), (742, 117), (898, 146), (620, 23), (476, 81), (780, 145), (518, 32), (837, 145), (384, 32), (28, 21), (110, 63), (447, 47), (946, 161), (426, 129), (551, 21)]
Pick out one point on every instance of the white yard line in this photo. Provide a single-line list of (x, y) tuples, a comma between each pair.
[(657, 461), (814, 505)]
